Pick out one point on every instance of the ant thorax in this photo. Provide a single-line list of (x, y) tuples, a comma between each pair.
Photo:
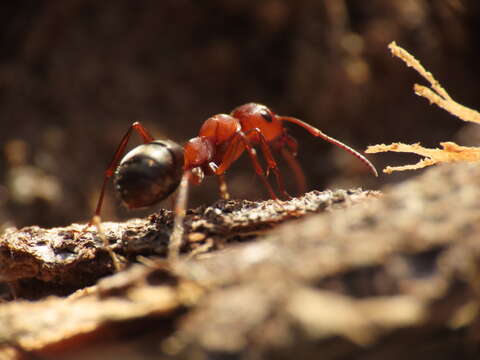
[(198, 151)]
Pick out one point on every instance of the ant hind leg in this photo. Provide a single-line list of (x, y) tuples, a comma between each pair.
[(117, 263), (176, 238), (146, 137)]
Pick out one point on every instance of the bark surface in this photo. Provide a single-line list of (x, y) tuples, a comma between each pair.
[(363, 276)]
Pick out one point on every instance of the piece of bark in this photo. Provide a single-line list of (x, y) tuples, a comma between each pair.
[(388, 279), (391, 278), (59, 260)]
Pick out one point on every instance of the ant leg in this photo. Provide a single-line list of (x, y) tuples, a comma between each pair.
[(271, 163), (146, 137), (176, 239), (222, 184), (231, 154), (316, 132), (297, 170), (117, 264)]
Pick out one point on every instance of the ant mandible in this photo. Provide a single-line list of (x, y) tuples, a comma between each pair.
[(151, 172)]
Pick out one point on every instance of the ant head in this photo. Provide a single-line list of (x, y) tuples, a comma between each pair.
[(258, 116), (149, 173), (255, 112)]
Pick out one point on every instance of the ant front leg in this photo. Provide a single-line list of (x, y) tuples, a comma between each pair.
[(238, 144), (146, 137), (271, 163), (288, 146), (294, 166)]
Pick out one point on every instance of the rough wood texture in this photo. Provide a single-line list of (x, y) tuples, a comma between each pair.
[(64, 259), (389, 278)]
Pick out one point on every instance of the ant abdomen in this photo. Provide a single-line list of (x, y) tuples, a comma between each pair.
[(149, 173)]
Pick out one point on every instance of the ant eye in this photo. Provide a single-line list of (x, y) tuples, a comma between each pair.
[(267, 116)]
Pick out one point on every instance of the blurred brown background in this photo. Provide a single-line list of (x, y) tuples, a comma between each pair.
[(75, 74)]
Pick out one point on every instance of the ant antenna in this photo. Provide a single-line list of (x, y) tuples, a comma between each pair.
[(316, 132)]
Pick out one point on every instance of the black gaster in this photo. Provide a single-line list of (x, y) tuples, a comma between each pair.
[(149, 173)]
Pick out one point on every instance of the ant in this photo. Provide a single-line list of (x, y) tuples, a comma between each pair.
[(151, 172)]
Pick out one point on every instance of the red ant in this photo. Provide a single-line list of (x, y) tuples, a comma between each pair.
[(152, 171)]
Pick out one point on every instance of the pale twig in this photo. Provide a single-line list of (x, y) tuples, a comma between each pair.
[(451, 152), (454, 108), (439, 95)]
